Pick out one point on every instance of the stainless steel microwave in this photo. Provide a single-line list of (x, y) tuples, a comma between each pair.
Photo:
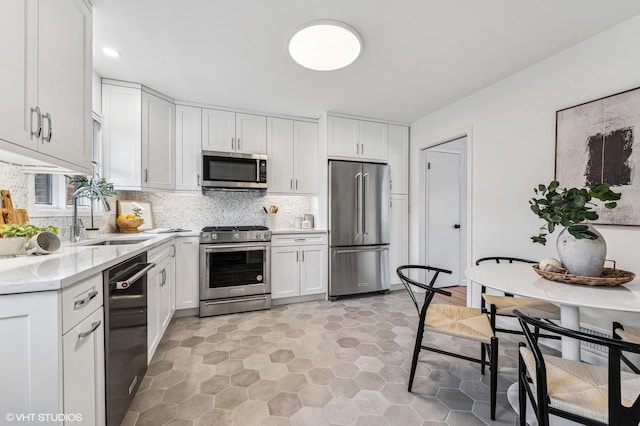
[(230, 170)]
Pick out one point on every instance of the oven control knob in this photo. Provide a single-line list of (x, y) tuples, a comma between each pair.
[(214, 236), (205, 237), (236, 235), (258, 235)]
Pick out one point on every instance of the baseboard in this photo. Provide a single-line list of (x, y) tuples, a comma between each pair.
[(298, 299), (191, 312)]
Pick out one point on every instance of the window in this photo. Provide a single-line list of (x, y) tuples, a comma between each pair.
[(51, 194)]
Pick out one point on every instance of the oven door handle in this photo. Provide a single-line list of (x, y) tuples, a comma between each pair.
[(127, 283), (247, 299)]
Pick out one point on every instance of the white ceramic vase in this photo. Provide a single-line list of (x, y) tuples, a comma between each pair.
[(582, 257)]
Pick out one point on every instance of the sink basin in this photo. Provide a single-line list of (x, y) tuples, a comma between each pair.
[(114, 242)]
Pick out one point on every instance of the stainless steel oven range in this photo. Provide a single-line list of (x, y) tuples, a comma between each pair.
[(234, 269)]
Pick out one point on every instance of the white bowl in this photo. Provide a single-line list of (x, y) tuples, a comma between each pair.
[(12, 246)]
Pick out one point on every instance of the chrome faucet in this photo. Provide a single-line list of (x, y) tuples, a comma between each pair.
[(76, 225)]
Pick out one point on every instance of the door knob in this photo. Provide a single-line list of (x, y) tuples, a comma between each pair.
[(456, 226)]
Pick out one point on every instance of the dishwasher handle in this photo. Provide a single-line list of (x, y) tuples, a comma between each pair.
[(125, 284)]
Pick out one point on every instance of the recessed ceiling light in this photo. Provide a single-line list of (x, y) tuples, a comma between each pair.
[(325, 45), (110, 52)]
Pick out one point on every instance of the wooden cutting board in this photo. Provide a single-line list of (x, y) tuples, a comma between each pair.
[(9, 214)]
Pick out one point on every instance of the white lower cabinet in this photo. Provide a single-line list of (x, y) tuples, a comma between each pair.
[(187, 272), (46, 369), (160, 294), (298, 265), (83, 366), (399, 231)]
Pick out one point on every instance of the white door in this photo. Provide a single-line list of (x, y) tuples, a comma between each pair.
[(251, 134), (285, 272), (374, 141), (443, 214), (218, 130), (158, 142), (187, 251), (280, 153), (399, 235), (399, 159), (342, 137), (313, 270), (305, 162), (154, 279), (188, 148)]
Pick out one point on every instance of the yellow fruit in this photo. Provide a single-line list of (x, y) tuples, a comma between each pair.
[(121, 217), (131, 216)]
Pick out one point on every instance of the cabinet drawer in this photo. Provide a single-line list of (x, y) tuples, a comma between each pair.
[(298, 239), (158, 254), (80, 300)]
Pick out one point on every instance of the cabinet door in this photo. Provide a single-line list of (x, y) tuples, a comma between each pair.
[(122, 140), (313, 270), (285, 272), (167, 293), (187, 276), (399, 229), (30, 359), (188, 148), (18, 82), (374, 142), (158, 142), (343, 137), (305, 158), (218, 130), (83, 367), (251, 133), (64, 79), (153, 310), (280, 153), (399, 159)]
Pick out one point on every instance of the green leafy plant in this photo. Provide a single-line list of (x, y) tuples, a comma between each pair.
[(569, 208), (24, 230), (99, 183), (137, 211)]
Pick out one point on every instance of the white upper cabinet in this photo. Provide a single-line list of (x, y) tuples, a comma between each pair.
[(357, 139), (399, 159), (138, 137), (188, 148), (292, 148), (228, 131), (45, 95), (158, 142)]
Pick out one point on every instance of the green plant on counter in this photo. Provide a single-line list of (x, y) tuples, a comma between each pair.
[(99, 183), (24, 230), (569, 207)]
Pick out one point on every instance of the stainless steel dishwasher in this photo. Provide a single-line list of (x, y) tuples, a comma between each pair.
[(125, 345)]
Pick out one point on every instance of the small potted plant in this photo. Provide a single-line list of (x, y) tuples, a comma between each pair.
[(581, 248), (15, 236), (105, 188)]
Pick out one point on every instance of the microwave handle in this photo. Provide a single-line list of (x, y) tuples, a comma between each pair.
[(258, 171)]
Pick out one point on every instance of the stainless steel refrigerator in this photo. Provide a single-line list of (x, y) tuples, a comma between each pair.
[(358, 228)]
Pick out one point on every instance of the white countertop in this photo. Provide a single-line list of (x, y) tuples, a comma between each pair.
[(298, 231), (70, 264)]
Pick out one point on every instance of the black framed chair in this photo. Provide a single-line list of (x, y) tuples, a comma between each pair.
[(627, 334), (458, 321), (505, 305), (581, 392)]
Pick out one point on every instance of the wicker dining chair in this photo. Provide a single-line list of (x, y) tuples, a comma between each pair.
[(627, 333), (505, 305), (457, 321), (574, 390)]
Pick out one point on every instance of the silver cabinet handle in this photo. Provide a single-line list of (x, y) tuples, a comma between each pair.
[(296, 184), (94, 327), (47, 138), (233, 143), (239, 144), (164, 277), (38, 131), (390, 184), (357, 149), (80, 303), (146, 175), (362, 148), (198, 180), (299, 240), (297, 256), (303, 255), (291, 184)]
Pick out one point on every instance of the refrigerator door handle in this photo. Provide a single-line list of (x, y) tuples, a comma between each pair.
[(359, 206), (365, 187)]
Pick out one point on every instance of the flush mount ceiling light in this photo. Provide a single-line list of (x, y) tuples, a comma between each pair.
[(325, 45), (110, 52)]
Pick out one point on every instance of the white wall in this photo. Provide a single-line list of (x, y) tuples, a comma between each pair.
[(513, 143)]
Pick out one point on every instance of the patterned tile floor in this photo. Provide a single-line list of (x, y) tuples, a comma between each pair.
[(316, 363)]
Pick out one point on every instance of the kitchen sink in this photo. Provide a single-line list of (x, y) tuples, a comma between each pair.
[(116, 242)]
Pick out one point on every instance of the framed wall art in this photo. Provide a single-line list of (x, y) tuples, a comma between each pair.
[(126, 207), (599, 141)]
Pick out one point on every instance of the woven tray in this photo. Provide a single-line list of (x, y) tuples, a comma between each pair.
[(610, 277)]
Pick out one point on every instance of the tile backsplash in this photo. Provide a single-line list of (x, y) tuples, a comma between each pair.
[(173, 210), (221, 208)]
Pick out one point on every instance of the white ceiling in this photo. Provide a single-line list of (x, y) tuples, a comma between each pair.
[(418, 56)]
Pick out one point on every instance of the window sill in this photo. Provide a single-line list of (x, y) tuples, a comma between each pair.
[(61, 213)]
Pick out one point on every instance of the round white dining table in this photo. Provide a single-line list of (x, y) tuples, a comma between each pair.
[(521, 280)]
